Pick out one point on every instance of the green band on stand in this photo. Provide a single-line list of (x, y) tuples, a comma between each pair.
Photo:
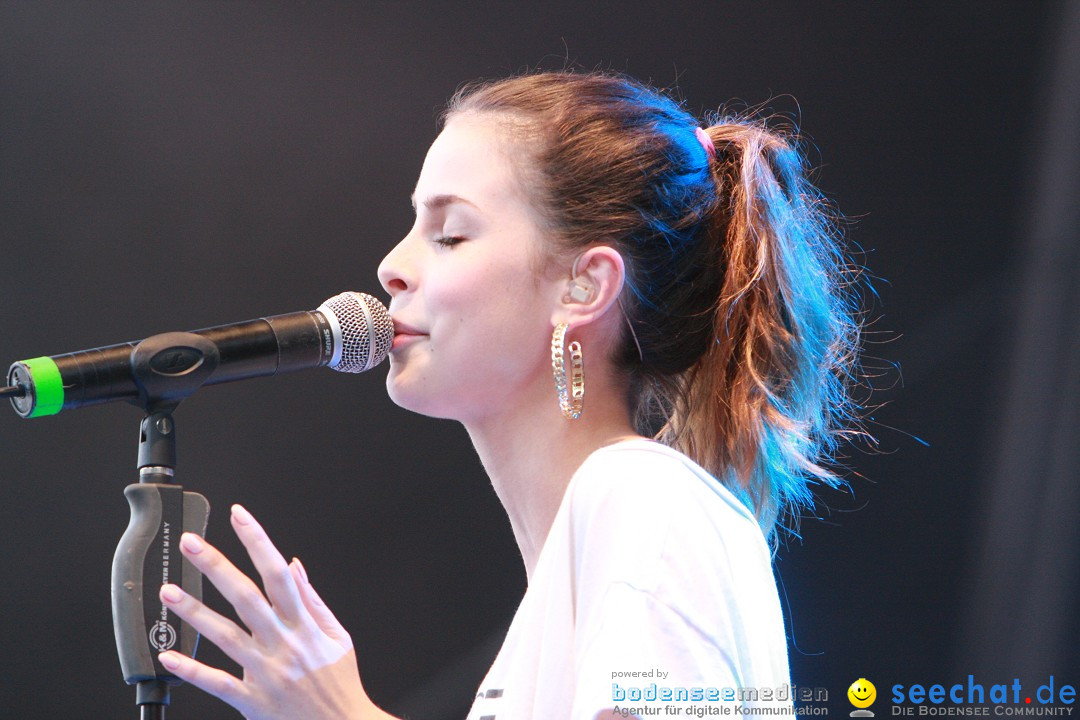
[(48, 386)]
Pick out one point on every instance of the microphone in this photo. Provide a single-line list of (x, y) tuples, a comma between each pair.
[(351, 332)]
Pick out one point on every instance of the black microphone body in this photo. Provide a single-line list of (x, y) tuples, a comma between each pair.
[(254, 348), (347, 328)]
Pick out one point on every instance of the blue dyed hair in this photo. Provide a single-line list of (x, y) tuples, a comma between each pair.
[(745, 324)]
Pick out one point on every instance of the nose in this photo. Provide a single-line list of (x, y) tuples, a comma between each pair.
[(395, 273)]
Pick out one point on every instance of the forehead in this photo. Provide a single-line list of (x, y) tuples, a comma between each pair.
[(470, 160)]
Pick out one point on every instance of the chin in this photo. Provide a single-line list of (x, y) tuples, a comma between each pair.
[(415, 400)]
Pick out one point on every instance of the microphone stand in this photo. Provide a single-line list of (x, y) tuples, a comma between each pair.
[(167, 369)]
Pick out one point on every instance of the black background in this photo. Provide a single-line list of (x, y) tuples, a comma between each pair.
[(168, 166)]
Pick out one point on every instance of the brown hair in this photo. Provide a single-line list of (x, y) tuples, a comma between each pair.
[(737, 293)]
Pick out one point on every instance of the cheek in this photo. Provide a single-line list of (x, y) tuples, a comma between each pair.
[(495, 335), (490, 338), (491, 300)]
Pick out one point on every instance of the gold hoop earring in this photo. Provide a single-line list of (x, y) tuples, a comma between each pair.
[(570, 400)]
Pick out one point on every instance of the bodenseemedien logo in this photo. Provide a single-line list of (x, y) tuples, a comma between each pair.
[(862, 694)]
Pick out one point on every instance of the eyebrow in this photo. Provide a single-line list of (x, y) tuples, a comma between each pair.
[(436, 202)]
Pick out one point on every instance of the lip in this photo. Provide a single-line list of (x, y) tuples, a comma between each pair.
[(404, 333)]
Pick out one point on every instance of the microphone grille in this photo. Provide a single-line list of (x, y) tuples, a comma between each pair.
[(367, 332)]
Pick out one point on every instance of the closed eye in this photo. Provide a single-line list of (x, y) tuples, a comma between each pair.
[(448, 240)]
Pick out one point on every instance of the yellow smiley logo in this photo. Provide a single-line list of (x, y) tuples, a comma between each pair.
[(862, 693)]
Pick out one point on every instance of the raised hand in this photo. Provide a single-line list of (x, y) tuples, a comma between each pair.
[(298, 660)]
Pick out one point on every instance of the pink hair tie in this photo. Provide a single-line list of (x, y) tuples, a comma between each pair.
[(706, 142)]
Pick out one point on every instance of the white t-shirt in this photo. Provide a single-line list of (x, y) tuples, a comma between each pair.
[(650, 567)]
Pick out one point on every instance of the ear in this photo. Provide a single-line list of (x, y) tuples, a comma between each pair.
[(591, 293)]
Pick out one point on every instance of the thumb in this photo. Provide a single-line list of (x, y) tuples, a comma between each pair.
[(317, 608)]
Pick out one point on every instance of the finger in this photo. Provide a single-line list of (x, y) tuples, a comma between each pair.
[(219, 630), (218, 683), (277, 580), (325, 619), (236, 587)]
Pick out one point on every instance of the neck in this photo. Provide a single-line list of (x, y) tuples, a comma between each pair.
[(530, 452)]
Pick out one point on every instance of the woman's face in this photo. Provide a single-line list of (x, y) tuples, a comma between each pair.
[(473, 317)]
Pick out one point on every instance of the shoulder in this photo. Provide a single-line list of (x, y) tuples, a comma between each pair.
[(659, 546), (641, 510), (646, 476)]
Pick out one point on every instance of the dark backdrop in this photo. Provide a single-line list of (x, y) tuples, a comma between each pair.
[(167, 166)]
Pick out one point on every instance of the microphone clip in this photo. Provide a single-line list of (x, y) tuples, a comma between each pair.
[(171, 366)]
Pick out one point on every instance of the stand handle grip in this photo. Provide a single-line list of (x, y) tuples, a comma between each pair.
[(148, 556)]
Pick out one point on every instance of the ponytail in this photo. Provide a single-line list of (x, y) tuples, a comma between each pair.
[(762, 405)]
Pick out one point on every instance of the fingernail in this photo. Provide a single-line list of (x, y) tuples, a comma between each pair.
[(169, 659), (301, 570), (171, 593), (242, 516), (192, 543)]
